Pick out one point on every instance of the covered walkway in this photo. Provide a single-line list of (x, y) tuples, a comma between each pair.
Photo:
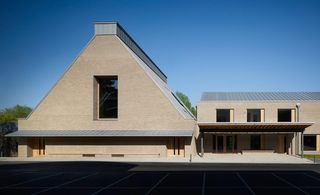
[(288, 136)]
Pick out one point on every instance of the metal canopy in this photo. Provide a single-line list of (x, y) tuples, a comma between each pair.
[(101, 133), (254, 127)]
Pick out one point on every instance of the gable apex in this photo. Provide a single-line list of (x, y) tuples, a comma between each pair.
[(114, 28)]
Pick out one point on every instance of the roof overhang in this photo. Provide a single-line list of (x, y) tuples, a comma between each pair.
[(253, 127), (101, 133)]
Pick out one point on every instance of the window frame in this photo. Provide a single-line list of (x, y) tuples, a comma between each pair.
[(259, 114), (220, 109), (97, 96), (282, 109)]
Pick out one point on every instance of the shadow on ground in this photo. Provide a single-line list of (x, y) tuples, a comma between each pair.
[(83, 166)]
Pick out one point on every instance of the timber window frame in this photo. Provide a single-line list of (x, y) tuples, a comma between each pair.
[(286, 115), (224, 115), (106, 97), (255, 115)]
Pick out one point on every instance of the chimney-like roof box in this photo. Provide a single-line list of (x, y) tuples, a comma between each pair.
[(113, 28)]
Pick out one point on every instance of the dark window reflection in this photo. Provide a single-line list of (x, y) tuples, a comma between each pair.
[(284, 115), (310, 142), (108, 97), (253, 115), (223, 115)]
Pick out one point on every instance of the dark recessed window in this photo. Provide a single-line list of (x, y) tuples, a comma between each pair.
[(284, 115), (310, 142), (253, 115), (107, 96), (255, 142), (223, 115)]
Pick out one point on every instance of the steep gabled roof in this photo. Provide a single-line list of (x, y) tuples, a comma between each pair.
[(152, 70), (163, 86), (260, 96), (114, 28)]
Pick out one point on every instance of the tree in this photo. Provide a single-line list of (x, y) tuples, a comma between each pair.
[(8, 124), (186, 102)]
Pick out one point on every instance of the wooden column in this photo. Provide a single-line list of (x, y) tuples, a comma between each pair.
[(318, 143), (202, 144), (293, 115), (262, 115), (302, 144), (231, 115)]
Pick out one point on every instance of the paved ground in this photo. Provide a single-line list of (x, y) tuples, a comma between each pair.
[(255, 158), (274, 158), (156, 178)]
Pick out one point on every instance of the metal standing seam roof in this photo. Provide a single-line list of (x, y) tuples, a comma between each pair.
[(114, 28), (260, 96), (163, 86), (101, 133), (152, 70)]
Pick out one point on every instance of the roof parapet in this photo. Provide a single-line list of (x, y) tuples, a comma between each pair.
[(113, 28)]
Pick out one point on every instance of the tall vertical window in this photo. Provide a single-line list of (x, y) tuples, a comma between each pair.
[(284, 115), (107, 96), (223, 115), (254, 115)]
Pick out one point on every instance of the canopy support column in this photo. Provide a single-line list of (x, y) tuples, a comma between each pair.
[(302, 144), (202, 144)]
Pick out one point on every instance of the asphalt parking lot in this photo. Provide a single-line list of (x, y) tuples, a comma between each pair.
[(122, 178)]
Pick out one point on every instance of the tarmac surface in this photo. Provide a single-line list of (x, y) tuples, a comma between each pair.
[(157, 178)]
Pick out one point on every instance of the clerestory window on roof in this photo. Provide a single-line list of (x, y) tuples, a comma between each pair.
[(107, 97)]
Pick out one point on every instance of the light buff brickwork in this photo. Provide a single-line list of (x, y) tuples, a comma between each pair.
[(318, 143), (309, 111), (24, 150), (106, 146), (70, 106)]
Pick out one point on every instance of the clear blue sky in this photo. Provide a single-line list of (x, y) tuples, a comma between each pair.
[(200, 45)]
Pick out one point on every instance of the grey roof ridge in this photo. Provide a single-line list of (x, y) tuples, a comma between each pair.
[(155, 78), (144, 53), (130, 42)]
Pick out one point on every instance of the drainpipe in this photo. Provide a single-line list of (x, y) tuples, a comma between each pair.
[(298, 111)]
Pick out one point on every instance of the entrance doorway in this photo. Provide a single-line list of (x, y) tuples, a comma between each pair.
[(231, 143), (38, 146), (175, 146), (224, 143), (255, 142), (220, 143)]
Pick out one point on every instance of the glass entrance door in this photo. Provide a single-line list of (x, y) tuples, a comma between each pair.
[(231, 143), (220, 143)]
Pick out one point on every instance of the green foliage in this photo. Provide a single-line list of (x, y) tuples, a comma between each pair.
[(311, 156), (12, 114), (186, 102), (8, 123)]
